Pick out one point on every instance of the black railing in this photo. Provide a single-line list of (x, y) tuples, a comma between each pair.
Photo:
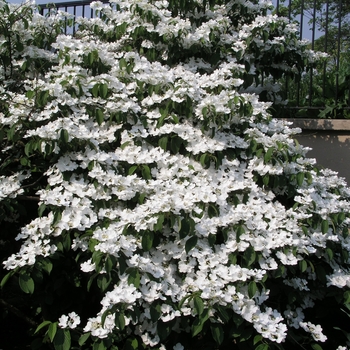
[(323, 91), (76, 8)]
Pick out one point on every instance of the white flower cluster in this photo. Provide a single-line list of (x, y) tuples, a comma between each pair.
[(71, 321), (10, 186), (172, 171)]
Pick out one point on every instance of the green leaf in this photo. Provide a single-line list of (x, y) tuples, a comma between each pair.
[(42, 98), (203, 160), (213, 210), (97, 257), (66, 241), (47, 265), (163, 142), (257, 339), (6, 278), (164, 114), (309, 178), (64, 137), (103, 282), (300, 178), (160, 221), (95, 90), (330, 253), (28, 149), (26, 283), (110, 262), (41, 209), (164, 329), (252, 289), (266, 179), (155, 312), (217, 333), (240, 231), (223, 313), (42, 325), (99, 116), (52, 331), (90, 58), (146, 172), (184, 228), (147, 240), (131, 344), (142, 197), (120, 320), (103, 90), (83, 338), (175, 144), (24, 161), (346, 296), (341, 217), (262, 347), (249, 256), (198, 305), (316, 346), (324, 226), (199, 322), (205, 112), (268, 154), (132, 169), (134, 276), (122, 264), (105, 314), (62, 340), (302, 265), (191, 243), (91, 279), (122, 63), (30, 94), (279, 271), (99, 345)]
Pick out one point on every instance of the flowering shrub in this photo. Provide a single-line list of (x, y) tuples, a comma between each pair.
[(155, 202)]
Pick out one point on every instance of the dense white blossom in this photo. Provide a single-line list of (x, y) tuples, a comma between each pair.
[(171, 176)]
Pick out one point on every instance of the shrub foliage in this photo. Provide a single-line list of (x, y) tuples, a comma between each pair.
[(147, 198)]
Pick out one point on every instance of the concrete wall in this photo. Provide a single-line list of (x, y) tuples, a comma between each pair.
[(330, 143)]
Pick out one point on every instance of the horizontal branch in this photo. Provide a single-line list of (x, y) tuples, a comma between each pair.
[(28, 198), (17, 312)]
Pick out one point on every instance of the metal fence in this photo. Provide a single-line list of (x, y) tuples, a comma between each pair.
[(324, 90), (78, 8)]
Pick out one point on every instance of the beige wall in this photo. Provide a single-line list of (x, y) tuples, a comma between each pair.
[(330, 143)]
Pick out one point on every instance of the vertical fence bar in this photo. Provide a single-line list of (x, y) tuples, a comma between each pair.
[(301, 37), (325, 50), (74, 14), (312, 47), (287, 83), (338, 51)]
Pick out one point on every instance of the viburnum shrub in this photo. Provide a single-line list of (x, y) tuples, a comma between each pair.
[(148, 199)]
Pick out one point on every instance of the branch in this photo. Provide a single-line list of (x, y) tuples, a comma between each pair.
[(28, 198), (17, 313)]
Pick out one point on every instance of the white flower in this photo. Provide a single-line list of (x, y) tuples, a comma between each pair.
[(315, 330), (178, 346), (94, 326), (87, 266), (71, 321), (294, 317)]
